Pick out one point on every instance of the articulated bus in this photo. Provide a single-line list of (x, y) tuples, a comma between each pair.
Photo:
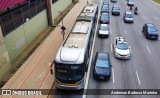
[(72, 59)]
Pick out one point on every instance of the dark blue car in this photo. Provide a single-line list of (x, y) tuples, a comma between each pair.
[(102, 66), (104, 18)]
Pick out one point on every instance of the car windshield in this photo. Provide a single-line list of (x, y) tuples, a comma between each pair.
[(152, 29), (123, 46), (129, 16), (116, 8), (104, 16), (102, 63), (104, 28)]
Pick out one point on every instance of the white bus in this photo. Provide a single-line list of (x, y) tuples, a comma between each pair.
[(72, 59)]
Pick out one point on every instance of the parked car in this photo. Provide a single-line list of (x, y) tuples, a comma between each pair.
[(103, 30), (150, 31), (102, 66), (130, 3), (128, 17), (121, 48), (105, 9), (114, 1), (115, 10), (104, 18)]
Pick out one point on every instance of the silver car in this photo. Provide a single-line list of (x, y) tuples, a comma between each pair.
[(103, 30), (128, 17)]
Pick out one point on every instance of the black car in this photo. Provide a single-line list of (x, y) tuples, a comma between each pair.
[(114, 1), (150, 31), (115, 10), (104, 18), (105, 9), (102, 66)]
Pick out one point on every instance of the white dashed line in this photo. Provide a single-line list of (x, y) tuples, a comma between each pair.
[(140, 33), (111, 48), (110, 32), (122, 21), (135, 22), (158, 38), (113, 74), (125, 32), (148, 49), (138, 78)]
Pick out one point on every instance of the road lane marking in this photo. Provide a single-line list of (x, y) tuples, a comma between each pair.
[(143, 16), (148, 49), (135, 22), (140, 33), (158, 38), (156, 18), (125, 32), (113, 74), (90, 62), (110, 31), (138, 78), (122, 21), (111, 48)]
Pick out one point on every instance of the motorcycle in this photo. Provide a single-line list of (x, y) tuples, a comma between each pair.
[(135, 12)]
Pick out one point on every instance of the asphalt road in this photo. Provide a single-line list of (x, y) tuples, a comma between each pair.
[(141, 71)]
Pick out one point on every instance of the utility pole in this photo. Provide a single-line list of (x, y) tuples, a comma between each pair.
[(49, 12)]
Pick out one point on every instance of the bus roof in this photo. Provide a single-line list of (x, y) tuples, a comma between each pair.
[(88, 10), (78, 35)]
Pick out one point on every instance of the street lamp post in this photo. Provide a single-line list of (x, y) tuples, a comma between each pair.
[(87, 2)]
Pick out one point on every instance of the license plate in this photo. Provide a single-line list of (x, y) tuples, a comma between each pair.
[(71, 84)]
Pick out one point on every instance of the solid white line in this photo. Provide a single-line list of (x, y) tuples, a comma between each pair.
[(138, 78), (90, 62), (111, 48), (140, 33), (113, 74), (125, 32), (148, 49)]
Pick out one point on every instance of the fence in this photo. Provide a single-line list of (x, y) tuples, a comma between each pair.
[(13, 20)]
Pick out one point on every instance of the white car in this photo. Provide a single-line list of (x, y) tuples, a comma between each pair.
[(104, 30), (121, 48)]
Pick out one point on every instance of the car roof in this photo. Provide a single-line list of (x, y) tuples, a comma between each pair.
[(128, 12), (150, 24), (121, 40), (105, 25), (104, 13), (115, 6)]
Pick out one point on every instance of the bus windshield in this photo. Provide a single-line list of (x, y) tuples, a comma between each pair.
[(68, 73)]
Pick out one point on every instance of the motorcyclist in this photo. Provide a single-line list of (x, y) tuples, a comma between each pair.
[(136, 9)]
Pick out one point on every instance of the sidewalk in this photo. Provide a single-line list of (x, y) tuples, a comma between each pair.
[(35, 72)]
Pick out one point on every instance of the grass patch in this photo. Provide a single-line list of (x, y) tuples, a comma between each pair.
[(158, 1)]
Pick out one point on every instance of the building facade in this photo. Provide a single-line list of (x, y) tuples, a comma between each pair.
[(21, 24)]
